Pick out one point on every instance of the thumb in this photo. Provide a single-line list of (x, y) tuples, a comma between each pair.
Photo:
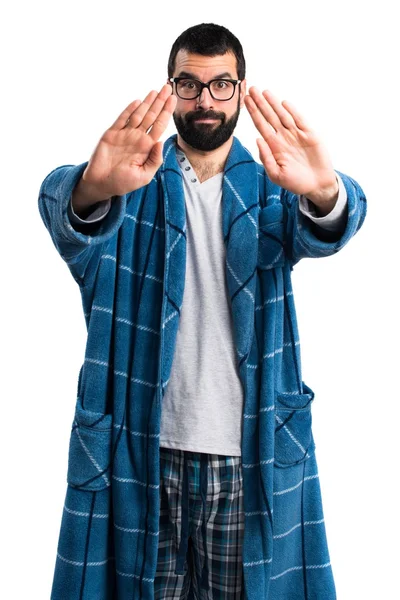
[(267, 159), (155, 158)]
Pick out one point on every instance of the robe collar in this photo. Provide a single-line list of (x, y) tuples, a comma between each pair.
[(240, 207)]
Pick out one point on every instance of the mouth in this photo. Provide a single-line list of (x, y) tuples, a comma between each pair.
[(206, 120)]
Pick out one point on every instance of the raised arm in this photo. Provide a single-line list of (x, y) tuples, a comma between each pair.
[(124, 160), (291, 152), (295, 159), (128, 153)]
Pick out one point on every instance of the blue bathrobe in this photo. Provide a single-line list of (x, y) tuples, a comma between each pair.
[(130, 268)]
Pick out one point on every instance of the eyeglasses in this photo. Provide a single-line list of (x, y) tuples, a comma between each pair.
[(220, 89)]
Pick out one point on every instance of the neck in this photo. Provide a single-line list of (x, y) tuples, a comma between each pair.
[(206, 163)]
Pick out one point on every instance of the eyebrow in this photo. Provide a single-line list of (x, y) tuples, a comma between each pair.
[(192, 76)]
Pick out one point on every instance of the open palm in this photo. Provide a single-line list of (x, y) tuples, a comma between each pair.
[(290, 151), (129, 153)]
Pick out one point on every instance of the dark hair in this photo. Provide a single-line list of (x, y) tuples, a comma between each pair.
[(208, 39)]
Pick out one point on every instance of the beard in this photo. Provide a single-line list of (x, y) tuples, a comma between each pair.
[(206, 136)]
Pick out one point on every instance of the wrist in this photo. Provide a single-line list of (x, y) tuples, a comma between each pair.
[(85, 196), (325, 199)]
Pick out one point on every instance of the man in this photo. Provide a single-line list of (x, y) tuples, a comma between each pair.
[(192, 471)]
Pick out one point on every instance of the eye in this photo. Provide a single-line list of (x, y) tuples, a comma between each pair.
[(187, 84), (221, 84)]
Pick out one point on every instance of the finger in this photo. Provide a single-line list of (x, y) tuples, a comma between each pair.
[(124, 116), (163, 119), (156, 108), (265, 109), (267, 159), (136, 117), (297, 117), (284, 116), (155, 157), (262, 124)]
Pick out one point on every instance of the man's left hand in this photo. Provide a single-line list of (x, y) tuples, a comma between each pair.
[(290, 151)]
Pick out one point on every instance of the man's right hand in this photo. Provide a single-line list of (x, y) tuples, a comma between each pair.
[(129, 153)]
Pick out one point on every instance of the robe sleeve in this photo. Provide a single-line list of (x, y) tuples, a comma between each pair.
[(336, 219), (79, 245), (305, 239), (97, 213)]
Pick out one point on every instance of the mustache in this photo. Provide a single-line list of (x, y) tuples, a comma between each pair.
[(203, 114)]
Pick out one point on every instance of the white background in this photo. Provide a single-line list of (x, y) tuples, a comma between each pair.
[(68, 70)]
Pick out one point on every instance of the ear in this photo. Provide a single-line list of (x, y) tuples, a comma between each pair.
[(243, 92)]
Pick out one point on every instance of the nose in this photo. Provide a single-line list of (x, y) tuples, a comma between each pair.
[(205, 100)]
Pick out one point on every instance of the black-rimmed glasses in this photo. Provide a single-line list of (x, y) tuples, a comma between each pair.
[(220, 89)]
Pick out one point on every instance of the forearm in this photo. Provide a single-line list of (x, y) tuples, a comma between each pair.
[(75, 247), (305, 241)]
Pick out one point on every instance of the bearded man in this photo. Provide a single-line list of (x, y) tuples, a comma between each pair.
[(192, 469)]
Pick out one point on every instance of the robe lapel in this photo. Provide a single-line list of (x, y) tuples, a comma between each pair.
[(240, 207), (240, 230), (175, 253)]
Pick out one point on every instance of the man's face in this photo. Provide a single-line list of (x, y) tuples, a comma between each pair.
[(205, 123)]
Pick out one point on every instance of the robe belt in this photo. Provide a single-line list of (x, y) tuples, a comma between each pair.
[(183, 545)]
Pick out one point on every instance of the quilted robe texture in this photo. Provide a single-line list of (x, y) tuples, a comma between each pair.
[(130, 268)]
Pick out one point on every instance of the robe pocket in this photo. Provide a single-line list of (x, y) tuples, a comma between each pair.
[(89, 454), (271, 240), (294, 441)]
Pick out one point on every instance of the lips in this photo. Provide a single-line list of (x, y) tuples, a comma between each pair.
[(205, 120), (210, 118)]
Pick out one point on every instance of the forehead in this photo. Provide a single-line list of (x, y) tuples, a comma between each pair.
[(205, 67)]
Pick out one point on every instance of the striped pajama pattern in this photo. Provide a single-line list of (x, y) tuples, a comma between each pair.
[(130, 269)]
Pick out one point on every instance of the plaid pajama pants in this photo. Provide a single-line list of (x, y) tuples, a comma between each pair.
[(201, 527)]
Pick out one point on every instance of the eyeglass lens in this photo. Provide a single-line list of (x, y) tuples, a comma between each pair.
[(220, 89)]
